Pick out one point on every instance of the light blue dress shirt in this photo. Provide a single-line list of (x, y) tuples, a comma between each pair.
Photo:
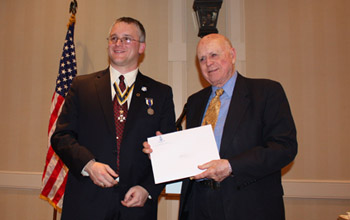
[(225, 100)]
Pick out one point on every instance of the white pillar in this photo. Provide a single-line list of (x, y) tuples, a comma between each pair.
[(235, 29), (177, 52)]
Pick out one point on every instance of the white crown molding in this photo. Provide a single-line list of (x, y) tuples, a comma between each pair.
[(317, 189), (302, 189), (305, 189), (20, 180)]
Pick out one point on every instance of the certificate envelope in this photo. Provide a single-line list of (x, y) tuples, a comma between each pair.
[(177, 155)]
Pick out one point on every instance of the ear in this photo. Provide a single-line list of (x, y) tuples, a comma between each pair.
[(233, 54), (142, 48)]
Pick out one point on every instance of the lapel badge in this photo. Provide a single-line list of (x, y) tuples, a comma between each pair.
[(144, 89), (149, 103)]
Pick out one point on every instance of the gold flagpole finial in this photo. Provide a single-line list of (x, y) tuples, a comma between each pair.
[(72, 9)]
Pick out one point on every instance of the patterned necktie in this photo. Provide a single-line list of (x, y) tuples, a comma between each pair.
[(120, 108), (211, 116)]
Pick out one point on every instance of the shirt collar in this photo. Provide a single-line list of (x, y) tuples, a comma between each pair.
[(228, 87), (130, 77)]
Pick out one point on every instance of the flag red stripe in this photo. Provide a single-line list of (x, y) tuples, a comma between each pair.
[(54, 115), (52, 179), (60, 191), (55, 111), (48, 158)]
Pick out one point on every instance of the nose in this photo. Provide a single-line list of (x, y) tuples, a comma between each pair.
[(119, 42), (209, 62)]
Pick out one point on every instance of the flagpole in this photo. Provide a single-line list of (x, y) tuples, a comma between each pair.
[(54, 214)]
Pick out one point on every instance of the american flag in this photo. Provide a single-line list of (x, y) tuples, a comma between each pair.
[(55, 172)]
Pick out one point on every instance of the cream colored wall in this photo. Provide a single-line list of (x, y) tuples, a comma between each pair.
[(303, 44), (306, 46)]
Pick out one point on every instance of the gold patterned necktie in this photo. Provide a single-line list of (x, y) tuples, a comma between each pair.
[(211, 116)]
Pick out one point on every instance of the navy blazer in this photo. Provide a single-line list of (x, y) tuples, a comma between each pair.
[(85, 130), (259, 139)]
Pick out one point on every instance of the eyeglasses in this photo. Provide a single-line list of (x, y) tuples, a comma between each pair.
[(123, 40)]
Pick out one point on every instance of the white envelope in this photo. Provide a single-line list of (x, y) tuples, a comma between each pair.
[(177, 155)]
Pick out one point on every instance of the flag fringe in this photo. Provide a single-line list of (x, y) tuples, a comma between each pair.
[(51, 203)]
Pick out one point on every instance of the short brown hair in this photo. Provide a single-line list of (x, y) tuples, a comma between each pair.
[(138, 24)]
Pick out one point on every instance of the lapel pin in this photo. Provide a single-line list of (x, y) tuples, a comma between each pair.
[(144, 89), (137, 94)]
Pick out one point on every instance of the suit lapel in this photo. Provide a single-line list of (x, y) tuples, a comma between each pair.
[(238, 106), (137, 100), (103, 88), (202, 103)]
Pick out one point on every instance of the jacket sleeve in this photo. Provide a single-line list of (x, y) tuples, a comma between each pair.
[(64, 139), (273, 136)]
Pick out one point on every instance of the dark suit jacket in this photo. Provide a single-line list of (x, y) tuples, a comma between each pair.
[(86, 130), (259, 139)]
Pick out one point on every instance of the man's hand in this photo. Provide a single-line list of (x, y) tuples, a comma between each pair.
[(217, 170), (135, 197), (147, 148), (101, 174)]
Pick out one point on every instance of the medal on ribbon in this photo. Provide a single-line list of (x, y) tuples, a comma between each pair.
[(121, 117), (149, 103)]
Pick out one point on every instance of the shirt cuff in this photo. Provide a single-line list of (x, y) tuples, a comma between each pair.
[(83, 172), (229, 165)]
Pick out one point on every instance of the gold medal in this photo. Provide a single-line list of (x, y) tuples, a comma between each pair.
[(150, 111), (149, 103)]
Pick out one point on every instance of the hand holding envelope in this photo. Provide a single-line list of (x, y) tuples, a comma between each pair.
[(177, 155)]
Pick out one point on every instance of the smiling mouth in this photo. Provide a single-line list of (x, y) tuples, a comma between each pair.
[(118, 51), (213, 70)]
